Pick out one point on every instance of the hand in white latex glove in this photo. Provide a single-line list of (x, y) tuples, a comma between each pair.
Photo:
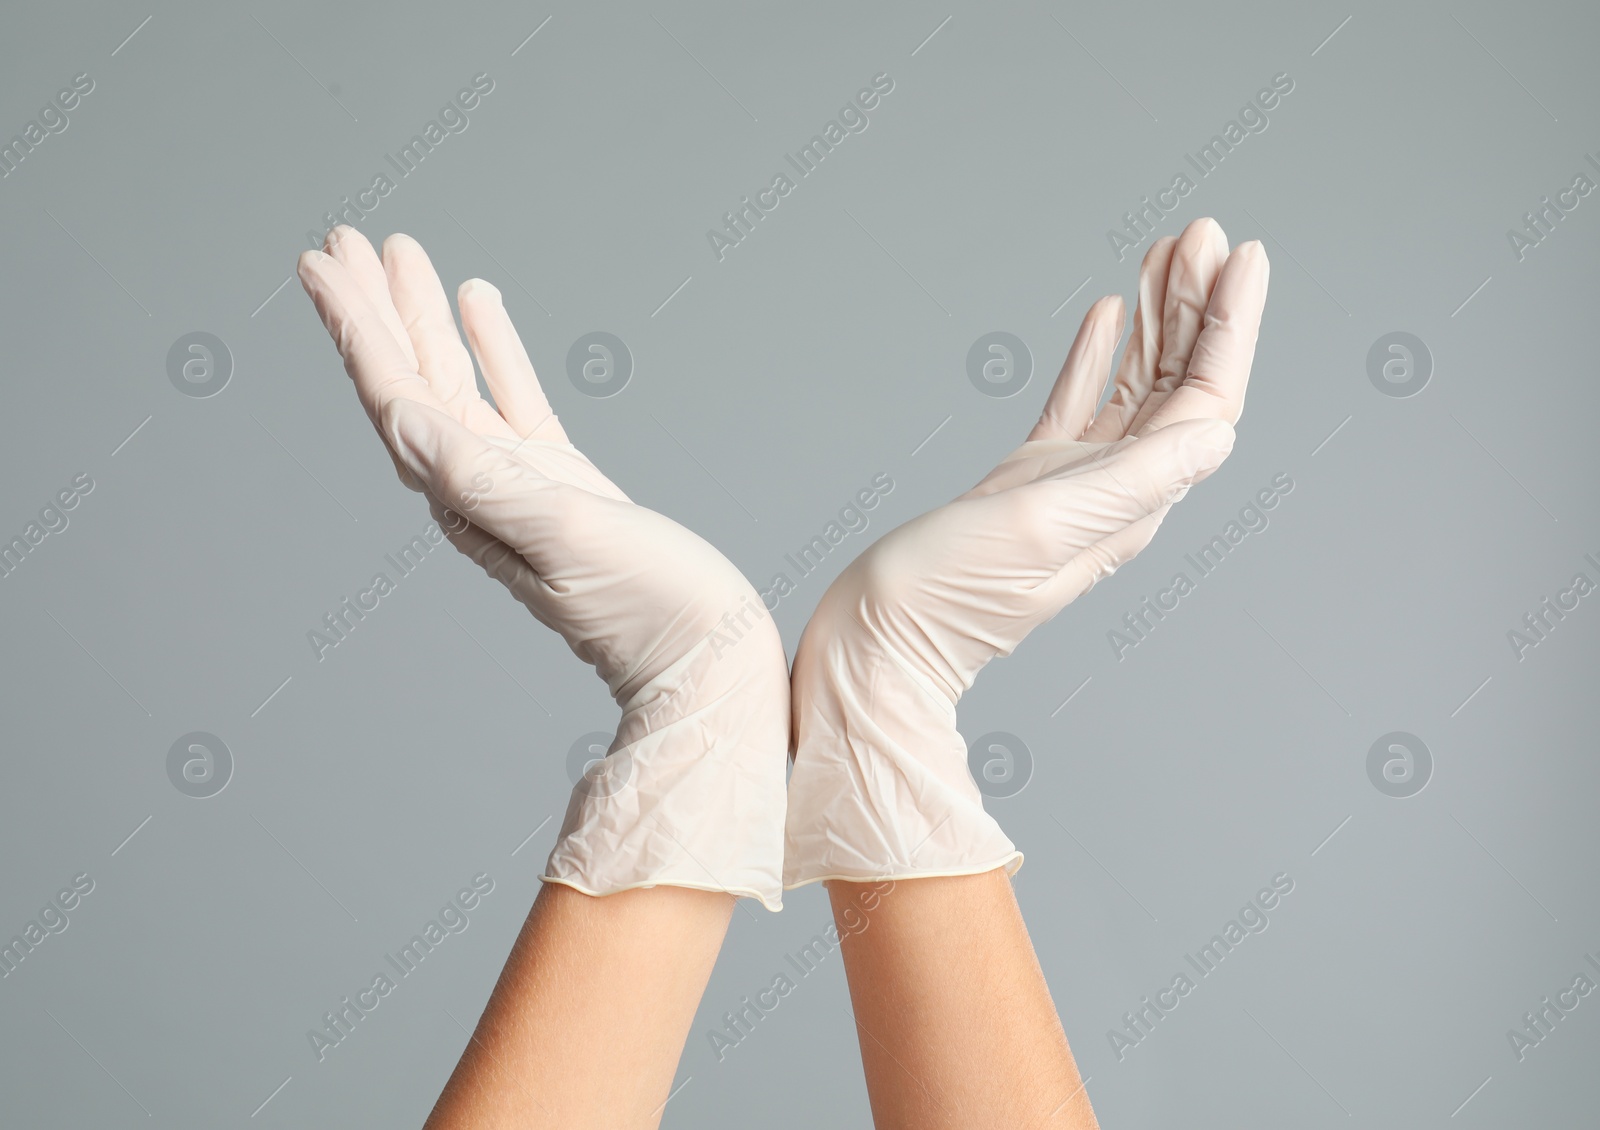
[(880, 787), (692, 793)]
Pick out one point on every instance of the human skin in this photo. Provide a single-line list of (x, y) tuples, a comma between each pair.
[(953, 1016), (586, 1025)]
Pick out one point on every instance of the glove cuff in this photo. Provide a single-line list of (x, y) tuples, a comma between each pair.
[(880, 788), (692, 792)]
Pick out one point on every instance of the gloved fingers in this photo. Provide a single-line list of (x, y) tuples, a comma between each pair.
[(505, 364), (1137, 372), (1070, 405), (540, 441), (352, 249), (373, 358), (538, 517), (1196, 263), (1093, 499), (1083, 376), (1219, 368), (441, 358)]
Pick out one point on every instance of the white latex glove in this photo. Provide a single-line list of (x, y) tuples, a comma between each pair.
[(880, 788), (692, 791)]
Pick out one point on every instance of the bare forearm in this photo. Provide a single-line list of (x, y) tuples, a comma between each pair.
[(955, 1021), (587, 1023)]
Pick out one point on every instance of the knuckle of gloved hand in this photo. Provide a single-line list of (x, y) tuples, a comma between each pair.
[(498, 560), (1100, 562), (451, 521), (1214, 359), (1174, 367)]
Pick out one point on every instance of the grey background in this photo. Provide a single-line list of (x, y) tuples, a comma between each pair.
[(430, 746)]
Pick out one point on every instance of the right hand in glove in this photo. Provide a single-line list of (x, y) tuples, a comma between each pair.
[(880, 788), (693, 790)]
